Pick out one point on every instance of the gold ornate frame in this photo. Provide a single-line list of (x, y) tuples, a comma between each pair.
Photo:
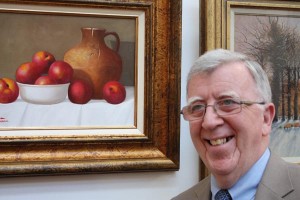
[(154, 149), (216, 24)]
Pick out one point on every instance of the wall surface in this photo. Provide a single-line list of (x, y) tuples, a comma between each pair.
[(131, 186)]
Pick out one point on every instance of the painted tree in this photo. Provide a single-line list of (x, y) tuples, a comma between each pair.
[(275, 45)]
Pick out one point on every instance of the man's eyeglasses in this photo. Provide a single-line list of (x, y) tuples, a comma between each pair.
[(196, 110)]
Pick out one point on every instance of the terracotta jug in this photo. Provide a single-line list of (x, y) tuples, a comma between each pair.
[(94, 61)]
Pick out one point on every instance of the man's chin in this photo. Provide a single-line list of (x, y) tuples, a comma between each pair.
[(222, 167)]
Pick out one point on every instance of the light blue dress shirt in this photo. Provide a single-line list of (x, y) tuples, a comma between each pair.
[(245, 188)]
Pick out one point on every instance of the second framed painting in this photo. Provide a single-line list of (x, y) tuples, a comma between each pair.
[(268, 32)]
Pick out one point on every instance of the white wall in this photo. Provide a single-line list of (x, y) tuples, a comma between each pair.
[(131, 186)]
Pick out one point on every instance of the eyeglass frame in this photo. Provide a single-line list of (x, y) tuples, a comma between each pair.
[(214, 106)]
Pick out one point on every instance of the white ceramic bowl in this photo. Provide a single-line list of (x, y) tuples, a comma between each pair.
[(43, 94)]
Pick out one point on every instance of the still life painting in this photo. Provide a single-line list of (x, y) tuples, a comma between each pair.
[(66, 71), (89, 86)]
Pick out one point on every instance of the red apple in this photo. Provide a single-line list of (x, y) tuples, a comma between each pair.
[(61, 72), (114, 92), (45, 80), (27, 73), (80, 91), (9, 90), (43, 59)]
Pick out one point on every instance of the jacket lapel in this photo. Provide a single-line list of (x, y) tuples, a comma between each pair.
[(203, 189), (276, 182)]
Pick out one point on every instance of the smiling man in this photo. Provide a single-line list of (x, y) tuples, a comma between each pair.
[(230, 114)]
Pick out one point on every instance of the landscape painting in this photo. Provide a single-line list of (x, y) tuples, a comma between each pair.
[(273, 40)]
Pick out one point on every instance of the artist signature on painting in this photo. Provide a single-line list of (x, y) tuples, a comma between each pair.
[(2, 119)]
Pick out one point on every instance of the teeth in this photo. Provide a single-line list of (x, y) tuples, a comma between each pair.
[(218, 141)]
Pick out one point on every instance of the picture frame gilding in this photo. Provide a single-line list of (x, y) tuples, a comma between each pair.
[(151, 144), (219, 26)]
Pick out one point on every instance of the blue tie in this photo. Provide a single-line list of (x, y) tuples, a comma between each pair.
[(223, 195)]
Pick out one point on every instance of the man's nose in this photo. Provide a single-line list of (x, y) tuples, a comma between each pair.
[(211, 119)]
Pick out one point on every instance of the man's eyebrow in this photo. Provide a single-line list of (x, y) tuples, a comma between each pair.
[(227, 94), (230, 94), (193, 99)]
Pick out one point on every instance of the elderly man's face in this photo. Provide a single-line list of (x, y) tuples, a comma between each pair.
[(229, 145)]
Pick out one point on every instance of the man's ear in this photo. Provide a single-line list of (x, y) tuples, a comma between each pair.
[(269, 114)]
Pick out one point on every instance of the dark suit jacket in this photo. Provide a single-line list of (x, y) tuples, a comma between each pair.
[(281, 180)]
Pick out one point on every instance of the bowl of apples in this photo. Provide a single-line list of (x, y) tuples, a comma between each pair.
[(44, 85)]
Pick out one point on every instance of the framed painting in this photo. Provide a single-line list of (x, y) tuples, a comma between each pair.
[(120, 53), (267, 31)]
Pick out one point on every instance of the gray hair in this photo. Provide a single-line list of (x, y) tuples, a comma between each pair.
[(211, 60)]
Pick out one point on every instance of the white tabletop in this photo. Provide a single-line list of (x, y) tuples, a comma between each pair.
[(67, 114)]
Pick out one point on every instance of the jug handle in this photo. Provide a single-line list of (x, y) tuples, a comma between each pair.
[(117, 38)]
